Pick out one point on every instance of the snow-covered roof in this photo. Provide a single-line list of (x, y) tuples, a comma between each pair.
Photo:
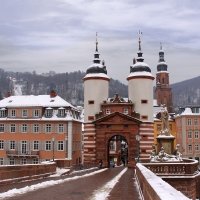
[(34, 101), (158, 72), (97, 75), (96, 64), (132, 74), (139, 64)]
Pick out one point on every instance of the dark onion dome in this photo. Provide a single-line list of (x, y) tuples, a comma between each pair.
[(162, 65), (139, 66), (96, 68)]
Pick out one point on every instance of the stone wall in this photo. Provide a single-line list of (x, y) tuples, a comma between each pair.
[(16, 173)]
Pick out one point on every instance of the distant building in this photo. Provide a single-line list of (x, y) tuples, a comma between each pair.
[(39, 128), (188, 130)]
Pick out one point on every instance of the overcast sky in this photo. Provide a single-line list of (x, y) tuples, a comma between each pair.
[(59, 35)]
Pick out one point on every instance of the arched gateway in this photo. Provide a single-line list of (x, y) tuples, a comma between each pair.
[(116, 124)]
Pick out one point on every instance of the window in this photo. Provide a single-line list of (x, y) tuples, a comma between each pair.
[(61, 112), (1, 144), (35, 145), (144, 101), (126, 126), (35, 161), (49, 112), (2, 128), (12, 128), (107, 111), (12, 161), (112, 147), (125, 111), (24, 128), (61, 128), (48, 128), (190, 147), (48, 145), (91, 102), (60, 145), (196, 134), (189, 134), (196, 147), (196, 122), (23, 161), (13, 113), (145, 117), (36, 128), (90, 117), (189, 122), (12, 145), (24, 113), (36, 113), (1, 161), (158, 127), (2, 113)]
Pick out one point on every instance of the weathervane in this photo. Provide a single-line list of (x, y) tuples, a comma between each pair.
[(139, 41), (96, 42)]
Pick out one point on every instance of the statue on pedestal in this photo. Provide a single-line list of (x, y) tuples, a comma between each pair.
[(165, 123)]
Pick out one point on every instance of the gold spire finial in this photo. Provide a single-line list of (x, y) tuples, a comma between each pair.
[(96, 37)]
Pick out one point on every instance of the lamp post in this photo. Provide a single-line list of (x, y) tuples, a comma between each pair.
[(53, 141), (138, 147), (66, 140)]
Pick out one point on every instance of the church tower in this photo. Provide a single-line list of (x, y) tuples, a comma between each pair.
[(96, 87), (163, 90)]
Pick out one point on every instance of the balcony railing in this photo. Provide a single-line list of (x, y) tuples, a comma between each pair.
[(187, 167), (22, 154)]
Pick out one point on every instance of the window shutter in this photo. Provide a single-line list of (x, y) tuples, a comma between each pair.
[(10, 113), (64, 145), (27, 147), (44, 128), (20, 128), (56, 145), (27, 113), (64, 128), (28, 128), (57, 125), (21, 113), (16, 128), (31, 145), (44, 142), (39, 145), (5, 128), (19, 145), (52, 128), (33, 113), (39, 113), (39, 128), (15, 113)]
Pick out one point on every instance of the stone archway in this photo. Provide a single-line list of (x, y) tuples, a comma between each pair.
[(117, 151)]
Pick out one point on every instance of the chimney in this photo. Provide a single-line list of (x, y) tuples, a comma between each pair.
[(53, 94), (8, 94)]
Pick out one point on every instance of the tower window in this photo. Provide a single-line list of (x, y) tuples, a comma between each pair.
[(90, 117), (125, 111), (91, 102), (144, 101), (144, 117)]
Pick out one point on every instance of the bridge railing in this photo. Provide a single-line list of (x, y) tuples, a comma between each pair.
[(187, 168)]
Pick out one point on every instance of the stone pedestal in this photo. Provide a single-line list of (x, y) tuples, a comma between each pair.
[(167, 142)]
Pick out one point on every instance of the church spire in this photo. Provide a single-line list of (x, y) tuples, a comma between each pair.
[(161, 54), (96, 54)]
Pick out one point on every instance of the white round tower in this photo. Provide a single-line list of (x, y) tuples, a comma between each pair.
[(140, 87), (96, 85)]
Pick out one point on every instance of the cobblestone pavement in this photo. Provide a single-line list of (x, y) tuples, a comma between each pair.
[(84, 188)]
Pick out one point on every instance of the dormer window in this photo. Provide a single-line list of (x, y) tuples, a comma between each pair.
[(49, 112), (107, 111), (2, 112), (125, 111), (61, 112)]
